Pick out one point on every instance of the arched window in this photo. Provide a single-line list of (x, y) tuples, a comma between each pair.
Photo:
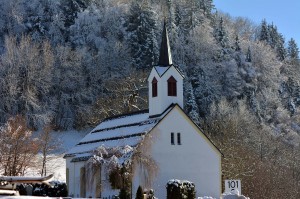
[(154, 87), (172, 88)]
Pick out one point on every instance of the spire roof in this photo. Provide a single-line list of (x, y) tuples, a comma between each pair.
[(165, 57)]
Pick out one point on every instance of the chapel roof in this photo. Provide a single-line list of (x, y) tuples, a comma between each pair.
[(118, 131)]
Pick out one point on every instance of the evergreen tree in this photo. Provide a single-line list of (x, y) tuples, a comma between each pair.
[(207, 6), (139, 193), (273, 36), (293, 50), (280, 49), (191, 106), (237, 44), (71, 8), (221, 35), (248, 55), (264, 33), (141, 25)]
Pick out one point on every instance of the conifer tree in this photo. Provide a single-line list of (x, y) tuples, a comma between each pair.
[(221, 34), (207, 6), (191, 106), (273, 36), (248, 55), (139, 193), (141, 24), (264, 33), (71, 9), (293, 50), (280, 49), (237, 44)]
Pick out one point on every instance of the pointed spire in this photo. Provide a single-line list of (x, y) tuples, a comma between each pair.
[(165, 57)]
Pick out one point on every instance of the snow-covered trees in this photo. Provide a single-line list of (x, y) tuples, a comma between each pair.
[(293, 50), (26, 72), (141, 25), (264, 34), (270, 35), (221, 35), (251, 152)]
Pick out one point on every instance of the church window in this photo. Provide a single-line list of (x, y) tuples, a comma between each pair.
[(172, 88), (172, 139), (154, 87), (178, 139)]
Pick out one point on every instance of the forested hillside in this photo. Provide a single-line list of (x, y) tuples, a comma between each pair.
[(72, 63)]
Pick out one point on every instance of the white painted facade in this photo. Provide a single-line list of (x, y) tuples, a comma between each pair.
[(162, 101), (196, 159)]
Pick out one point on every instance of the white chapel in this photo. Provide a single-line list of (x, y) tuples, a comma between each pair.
[(173, 145)]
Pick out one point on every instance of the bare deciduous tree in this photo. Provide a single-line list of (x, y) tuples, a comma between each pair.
[(18, 147), (48, 144)]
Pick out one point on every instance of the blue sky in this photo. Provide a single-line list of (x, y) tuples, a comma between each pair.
[(284, 14)]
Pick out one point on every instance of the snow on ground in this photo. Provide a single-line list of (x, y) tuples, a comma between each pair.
[(56, 164), (70, 138)]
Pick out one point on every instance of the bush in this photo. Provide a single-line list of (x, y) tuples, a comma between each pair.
[(180, 189), (124, 194)]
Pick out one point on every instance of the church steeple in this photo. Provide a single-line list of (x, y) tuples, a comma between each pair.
[(165, 80), (165, 57)]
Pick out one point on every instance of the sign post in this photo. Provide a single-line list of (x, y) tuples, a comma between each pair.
[(232, 185)]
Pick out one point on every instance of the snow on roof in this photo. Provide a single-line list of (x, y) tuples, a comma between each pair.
[(161, 70), (117, 131)]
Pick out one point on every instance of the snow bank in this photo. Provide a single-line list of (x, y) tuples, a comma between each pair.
[(233, 195)]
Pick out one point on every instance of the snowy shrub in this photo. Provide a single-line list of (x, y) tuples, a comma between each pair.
[(180, 189), (150, 194)]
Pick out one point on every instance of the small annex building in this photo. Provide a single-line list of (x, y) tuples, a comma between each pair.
[(173, 145)]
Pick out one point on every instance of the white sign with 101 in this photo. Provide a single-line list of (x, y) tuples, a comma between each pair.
[(232, 185)]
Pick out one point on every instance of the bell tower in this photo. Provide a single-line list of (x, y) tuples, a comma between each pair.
[(165, 80)]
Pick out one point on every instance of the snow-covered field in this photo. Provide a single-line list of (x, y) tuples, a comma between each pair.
[(56, 163)]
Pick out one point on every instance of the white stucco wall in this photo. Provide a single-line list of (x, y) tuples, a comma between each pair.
[(160, 103), (74, 177), (195, 159)]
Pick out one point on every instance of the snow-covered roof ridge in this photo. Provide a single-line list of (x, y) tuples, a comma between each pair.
[(123, 119), (112, 138), (125, 125)]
